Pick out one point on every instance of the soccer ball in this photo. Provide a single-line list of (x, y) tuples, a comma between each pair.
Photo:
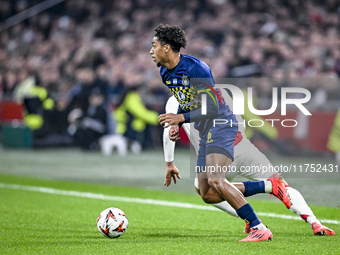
[(112, 222)]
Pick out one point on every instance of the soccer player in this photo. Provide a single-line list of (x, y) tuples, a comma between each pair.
[(246, 154), (182, 74)]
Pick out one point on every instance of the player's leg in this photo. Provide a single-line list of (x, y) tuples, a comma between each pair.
[(210, 196), (254, 157), (217, 182), (254, 165), (208, 193), (301, 208), (223, 206), (217, 152)]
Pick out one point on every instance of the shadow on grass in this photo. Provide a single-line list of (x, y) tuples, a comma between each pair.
[(184, 233)]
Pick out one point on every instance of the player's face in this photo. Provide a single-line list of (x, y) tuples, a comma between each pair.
[(157, 51)]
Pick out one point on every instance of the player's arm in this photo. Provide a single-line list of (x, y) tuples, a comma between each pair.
[(169, 147), (171, 172), (168, 144), (169, 151)]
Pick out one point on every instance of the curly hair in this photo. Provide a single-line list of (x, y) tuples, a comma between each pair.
[(172, 35)]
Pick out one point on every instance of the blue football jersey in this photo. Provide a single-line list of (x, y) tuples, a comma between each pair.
[(186, 81)]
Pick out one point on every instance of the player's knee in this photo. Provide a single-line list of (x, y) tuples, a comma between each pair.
[(215, 183), (207, 198)]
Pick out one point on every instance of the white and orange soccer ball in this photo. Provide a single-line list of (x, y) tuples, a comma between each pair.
[(112, 222)]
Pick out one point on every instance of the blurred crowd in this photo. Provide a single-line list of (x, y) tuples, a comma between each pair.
[(81, 44)]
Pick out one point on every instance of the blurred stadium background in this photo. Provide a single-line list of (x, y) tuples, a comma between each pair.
[(75, 71)]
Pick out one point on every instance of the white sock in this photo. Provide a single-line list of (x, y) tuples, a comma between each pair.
[(226, 207), (268, 186), (260, 226), (300, 207)]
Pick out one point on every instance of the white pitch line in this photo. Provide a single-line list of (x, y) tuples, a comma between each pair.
[(140, 200)]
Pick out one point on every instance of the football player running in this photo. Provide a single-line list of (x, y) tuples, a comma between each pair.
[(246, 154), (183, 75)]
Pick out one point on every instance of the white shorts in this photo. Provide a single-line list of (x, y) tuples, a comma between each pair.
[(251, 164)]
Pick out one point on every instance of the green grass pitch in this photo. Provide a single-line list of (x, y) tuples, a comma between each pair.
[(33, 222)]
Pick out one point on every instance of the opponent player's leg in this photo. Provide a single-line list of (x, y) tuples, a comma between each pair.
[(254, 165), (254, 157), (301, 208), (298, 206)]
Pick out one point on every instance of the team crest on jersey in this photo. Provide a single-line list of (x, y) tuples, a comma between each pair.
[(185, 80)]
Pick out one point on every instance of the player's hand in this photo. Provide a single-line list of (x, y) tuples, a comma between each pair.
[(171, 172), (174, 133), (168, 119)]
